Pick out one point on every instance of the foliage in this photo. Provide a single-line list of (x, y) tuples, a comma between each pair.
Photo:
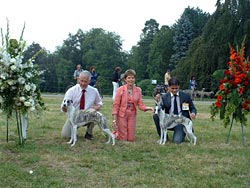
[(146, 86), (228, 24), (102, 49), (150, 29), (160, 53), (139, 59), (198, 18), (186, 29), (233, 97), (71, 50), (183, 36), (96, 47), (19, 80)]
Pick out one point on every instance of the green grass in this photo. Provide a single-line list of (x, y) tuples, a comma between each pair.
[(144, 163)]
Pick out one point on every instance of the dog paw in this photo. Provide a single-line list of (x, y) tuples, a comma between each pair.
[(107, 142), (113, 141), (160, 142), (195, 142), (69, 142)]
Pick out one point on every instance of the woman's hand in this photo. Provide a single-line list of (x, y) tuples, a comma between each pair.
[(114, 125), (150, 108), (114, 122)]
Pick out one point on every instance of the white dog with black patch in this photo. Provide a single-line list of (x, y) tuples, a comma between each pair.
[(168, 121), (78, 118)]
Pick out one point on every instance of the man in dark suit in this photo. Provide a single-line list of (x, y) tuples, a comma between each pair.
[(176, 102)]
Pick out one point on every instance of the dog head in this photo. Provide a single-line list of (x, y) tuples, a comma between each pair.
[(158, 107), (67, 102)]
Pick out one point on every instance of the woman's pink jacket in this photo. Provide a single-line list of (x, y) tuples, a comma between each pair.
[(121, 100)]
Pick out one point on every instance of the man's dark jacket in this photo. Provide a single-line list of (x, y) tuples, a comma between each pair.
[(184, 98)]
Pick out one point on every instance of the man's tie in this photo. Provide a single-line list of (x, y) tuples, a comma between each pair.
[(175, 105), (82, 102)]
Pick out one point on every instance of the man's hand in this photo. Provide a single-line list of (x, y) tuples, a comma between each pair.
[(158, 97), (96, 107), (192, 115)]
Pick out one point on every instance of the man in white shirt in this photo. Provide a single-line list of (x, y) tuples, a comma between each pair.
[(92, 100)]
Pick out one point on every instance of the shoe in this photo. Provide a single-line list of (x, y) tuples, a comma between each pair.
[(88, 136)]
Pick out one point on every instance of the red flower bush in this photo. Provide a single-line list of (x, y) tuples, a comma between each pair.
[(233, 97)]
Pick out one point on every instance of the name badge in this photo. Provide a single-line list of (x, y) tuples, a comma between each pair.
[(185, 106)]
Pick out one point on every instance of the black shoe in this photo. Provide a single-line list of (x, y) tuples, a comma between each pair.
[(88, 136)]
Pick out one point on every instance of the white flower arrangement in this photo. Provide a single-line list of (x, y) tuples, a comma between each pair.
[(19, 80)]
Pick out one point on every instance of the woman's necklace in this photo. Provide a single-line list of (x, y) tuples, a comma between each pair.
[(130, 91)]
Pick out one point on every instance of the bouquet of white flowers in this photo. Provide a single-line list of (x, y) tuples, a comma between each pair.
[(19, 80)]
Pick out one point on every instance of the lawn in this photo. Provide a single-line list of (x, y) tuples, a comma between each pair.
[(46, 160)]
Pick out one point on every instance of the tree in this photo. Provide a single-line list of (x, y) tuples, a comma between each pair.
[(198, 18), (103, 50), (229, 24), (72, 49), (140, 53), (160, 53), (187, 28), (45, 62), (183, 36)]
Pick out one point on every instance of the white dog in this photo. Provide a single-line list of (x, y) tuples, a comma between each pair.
[(80, 118), (170, 121)]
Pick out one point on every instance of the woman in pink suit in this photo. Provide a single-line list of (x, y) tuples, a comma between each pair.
[(127, 98)]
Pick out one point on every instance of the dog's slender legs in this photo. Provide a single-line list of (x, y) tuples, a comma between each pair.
[(193, 138), (165, 136), (74, 135), (162, 136), (110, 135), (189, 132)]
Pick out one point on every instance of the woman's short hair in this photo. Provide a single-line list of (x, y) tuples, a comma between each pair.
[(129, 72)]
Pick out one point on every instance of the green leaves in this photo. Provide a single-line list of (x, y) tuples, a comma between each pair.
[(218, 74)]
